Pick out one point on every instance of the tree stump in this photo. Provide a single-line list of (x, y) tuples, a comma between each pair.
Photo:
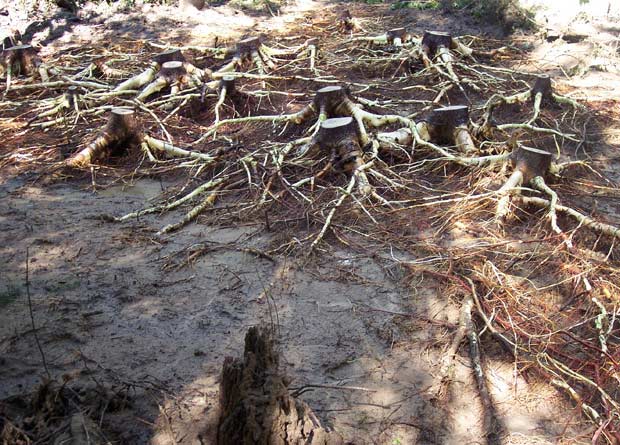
[(256, 408)]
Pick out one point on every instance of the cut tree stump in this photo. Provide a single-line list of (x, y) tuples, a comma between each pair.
[(256, 407)]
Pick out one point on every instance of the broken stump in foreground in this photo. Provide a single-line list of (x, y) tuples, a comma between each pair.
[(256, 407)]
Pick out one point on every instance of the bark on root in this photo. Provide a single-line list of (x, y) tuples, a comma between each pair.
[(120, 132), (256, 408)]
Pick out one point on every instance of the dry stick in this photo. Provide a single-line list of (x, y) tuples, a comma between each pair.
[(491, 424), (214, 183), (446, 368), (30, 310), (587, 409), (227, 86), (176, 152), (197, 210)]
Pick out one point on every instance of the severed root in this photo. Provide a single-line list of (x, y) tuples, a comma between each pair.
[(227, 87), (450, 125), (347, 23), (176, 152), (529, 163), (330, 101), (541, 93), (121, 131)]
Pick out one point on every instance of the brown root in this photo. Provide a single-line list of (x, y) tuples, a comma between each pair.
[(121, 131), (256, 407)]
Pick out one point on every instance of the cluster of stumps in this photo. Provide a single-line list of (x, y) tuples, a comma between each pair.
[(343, 131), (336, 137)]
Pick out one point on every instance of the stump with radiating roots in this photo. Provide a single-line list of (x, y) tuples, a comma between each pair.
[(434, 41), (449, 125), (530, 167), (121, 132), (397, 36), (255, 405), (162, 72), (172, 73), (437, 45), (541, 93), (250, 51)]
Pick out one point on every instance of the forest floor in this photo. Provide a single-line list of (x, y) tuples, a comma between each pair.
[(376, 306)]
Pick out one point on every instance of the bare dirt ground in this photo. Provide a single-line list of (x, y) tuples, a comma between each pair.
[(153, 317)]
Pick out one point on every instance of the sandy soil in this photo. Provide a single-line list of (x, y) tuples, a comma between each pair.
[(111, 305)]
